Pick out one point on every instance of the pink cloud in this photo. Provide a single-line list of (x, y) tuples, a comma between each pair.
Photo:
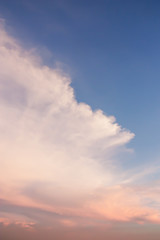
[(57, 163)]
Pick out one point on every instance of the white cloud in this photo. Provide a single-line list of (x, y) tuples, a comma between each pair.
[(46, 130), (55, 152)]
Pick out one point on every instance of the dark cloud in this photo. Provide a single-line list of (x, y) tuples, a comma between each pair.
[(36, 214)]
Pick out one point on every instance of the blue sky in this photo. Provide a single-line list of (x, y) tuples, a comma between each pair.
[(111, 52)]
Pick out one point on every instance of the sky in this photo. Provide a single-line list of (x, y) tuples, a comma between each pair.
[(79, 119)]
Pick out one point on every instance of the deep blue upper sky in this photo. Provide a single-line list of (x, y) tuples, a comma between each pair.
[(110, 48)]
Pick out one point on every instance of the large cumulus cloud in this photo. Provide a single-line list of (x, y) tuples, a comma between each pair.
[(56, 155)]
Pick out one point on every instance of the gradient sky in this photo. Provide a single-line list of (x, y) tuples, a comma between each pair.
[(79, 119)]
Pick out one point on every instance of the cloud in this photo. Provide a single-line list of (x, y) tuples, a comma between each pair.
[(57, 155)]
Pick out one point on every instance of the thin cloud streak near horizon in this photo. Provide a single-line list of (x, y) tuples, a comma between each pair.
[(58, 160)]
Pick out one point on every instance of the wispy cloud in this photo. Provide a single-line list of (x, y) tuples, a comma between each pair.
[(57, 155)]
